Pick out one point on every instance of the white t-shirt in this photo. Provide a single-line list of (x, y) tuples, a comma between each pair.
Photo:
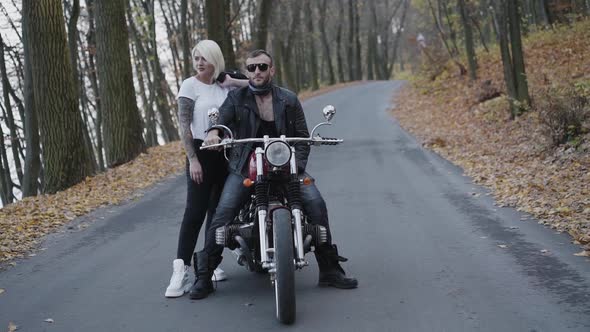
[(206, 97)]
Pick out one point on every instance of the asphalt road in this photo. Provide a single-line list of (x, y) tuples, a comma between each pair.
[(423, 241)]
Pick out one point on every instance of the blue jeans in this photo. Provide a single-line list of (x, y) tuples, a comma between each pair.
[(235, 195)]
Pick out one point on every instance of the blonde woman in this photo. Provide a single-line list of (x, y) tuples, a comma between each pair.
[(205, 170)]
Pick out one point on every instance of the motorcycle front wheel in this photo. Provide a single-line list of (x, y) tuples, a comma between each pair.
[(284, 266)]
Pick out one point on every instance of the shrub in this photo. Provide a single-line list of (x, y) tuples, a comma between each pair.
[(564, 112)]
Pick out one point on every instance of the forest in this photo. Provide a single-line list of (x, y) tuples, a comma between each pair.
[(90, 85)]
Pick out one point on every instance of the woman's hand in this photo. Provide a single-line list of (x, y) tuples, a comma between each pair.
[(228, 82), (231, 82), (196, 171)]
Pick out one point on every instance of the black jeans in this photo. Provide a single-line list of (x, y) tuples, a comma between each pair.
[(201, 199), (235, 194)]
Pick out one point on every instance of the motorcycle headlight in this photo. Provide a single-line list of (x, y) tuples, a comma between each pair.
[(278, 153)]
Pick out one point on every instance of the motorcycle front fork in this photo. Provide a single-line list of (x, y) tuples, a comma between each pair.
[(300, 261)]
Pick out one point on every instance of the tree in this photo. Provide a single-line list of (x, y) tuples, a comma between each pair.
[(312, 51), (263, 20), (325, 43), (469, 48), (32, 152), (122, 123), (67, 159), (507, 18), (186, 53), (218, 29)]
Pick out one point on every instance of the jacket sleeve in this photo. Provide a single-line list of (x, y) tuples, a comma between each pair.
[(301, 150)]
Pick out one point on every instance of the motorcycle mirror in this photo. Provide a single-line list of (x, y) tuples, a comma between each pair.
[(329, 112), (213, 115)]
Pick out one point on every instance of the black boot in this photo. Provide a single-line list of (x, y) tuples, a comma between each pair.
[(203, 285), (331, 273)]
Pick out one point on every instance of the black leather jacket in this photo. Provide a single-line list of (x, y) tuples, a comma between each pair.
[(240, 113)]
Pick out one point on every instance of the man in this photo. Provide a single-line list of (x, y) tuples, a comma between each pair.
[(261, 109)]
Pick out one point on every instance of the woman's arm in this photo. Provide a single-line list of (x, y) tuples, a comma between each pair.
[(231, 82), (185, 118)]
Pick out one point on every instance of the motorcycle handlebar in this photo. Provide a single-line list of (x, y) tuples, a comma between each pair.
[(312, 141)]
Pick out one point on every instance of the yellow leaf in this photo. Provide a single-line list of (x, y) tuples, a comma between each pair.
[(12, 327), (2, 290), (584, 253)]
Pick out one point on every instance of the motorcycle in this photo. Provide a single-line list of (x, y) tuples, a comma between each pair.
[(271, 233)]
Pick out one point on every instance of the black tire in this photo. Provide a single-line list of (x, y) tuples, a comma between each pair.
[(285, 266)]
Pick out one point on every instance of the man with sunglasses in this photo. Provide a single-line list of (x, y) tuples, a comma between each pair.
[(259, 109)]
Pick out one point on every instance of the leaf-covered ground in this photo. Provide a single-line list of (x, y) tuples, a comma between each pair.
[(512, 157), (24, 223)]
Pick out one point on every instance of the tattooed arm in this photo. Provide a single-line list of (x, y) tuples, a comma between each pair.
[(185, 117)]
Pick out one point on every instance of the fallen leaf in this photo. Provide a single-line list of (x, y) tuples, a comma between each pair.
[(584, 253), (513, 227), (544, 251), (12, 327), (503, 246), (49, 320)]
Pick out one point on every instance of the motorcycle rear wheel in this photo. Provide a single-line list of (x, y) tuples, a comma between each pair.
[(284, 265)]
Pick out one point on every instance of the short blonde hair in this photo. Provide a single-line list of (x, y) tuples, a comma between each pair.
[(212, 53)]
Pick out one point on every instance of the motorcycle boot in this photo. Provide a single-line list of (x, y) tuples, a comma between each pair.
[(331, 273), (204, 267)]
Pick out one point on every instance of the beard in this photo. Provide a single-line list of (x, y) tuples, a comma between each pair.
[(264, 83)]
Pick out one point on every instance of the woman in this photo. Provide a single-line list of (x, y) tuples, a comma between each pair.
[(206, 170)]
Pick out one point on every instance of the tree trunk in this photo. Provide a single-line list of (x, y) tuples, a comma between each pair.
[(547, 11), (325, 43), (160, 85), (522, 90), (370, 55), (67, 162), (263, 19), (30, 185), (5, 180), (351, 41), (289, 67), (217, 29), (91, 41), (122, 123), (469, 47), (14, 139), (444, 6), (312, 51), (187, 68), (73, 43), (339, 46), (398, 37), (358, 73)]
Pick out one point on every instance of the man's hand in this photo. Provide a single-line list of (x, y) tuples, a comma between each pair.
[(212, 138), (196, 171)]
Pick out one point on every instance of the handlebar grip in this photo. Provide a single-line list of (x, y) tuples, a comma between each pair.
[(335, 141)]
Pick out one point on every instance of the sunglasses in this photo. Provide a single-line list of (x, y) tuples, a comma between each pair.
[(261, 66)]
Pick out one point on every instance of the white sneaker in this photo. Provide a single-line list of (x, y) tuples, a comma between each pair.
[(179, 283), (219, 275)]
